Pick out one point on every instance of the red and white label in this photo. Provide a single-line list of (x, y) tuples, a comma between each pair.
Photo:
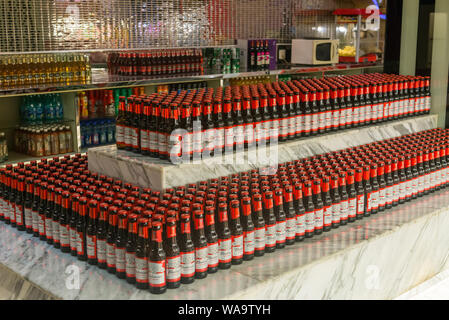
[(201, 259), (237, 247), (225, 250), (187, 264), (173, 269), (156, 273), (248, 242)]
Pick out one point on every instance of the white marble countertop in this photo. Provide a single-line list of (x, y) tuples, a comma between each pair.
[(161, 174), (375, 258)]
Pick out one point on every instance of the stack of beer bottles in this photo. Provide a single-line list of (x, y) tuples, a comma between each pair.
[(160, 240), (215, 121)]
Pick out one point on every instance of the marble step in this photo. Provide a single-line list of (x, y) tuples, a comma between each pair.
[(158, 175), (379, 257)]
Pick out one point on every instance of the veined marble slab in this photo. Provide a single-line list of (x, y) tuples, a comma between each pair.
[(379, 257), (158, 175)]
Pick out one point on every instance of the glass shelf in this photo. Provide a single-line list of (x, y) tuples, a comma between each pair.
[(102, 80)]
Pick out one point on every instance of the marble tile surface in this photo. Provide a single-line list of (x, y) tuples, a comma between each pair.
[(436, 288), (379, 257), (158, 174)]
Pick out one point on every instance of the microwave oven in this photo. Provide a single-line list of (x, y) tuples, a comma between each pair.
[(314, 51)]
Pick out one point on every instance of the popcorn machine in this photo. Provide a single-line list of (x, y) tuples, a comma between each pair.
[(358, 32)]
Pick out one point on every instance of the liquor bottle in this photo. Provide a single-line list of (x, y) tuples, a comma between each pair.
[(156, 258)]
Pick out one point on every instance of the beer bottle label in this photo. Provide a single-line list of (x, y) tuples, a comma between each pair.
[(349, 115), (229, 136), (319, 218), (212, 254), (328, 212), (300, 224), (197, 141), (18, 214), (336, 212), (173, 269), (101, 250), (175, 146), (362, 114), (237, 247), (55, 228), (80, 243), (219, 138), (300, 124), (91, 246), (270, 235), (36, 220), (321, 120), (224, 250), (259, 238), (130, 264), (381, 200), (144, 143), (141, 270), (48, 228), (6, 211), (28, 217), (128, 136), (280, 231), (208, 142), (284, 127), (343, 117), (248, 242), (310, 221), (291, 126), (239, 134), (360, 204), (41, 225), (315, 122), (120, 259), (352, 207), (274, 129), (156, 275), (188, 264), (162, 143), (64, 236), (73, 237), (290, 228), (110, 255), (249, 133), (396, 192), (344, 209), (402, 190), (153, 141), (336, 118), (355, 115), (380, 111), (13, 212), (328, 119)]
